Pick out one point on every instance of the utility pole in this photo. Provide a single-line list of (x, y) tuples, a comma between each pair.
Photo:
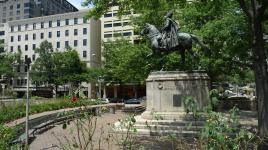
[(27, 63)]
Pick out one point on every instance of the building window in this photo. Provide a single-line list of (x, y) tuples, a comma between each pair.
[(84, 42), (66, 44), (18, 12), (75, 43), (33, 57), (34, 46), (50, 24), (11, 7), (66, 32), (12, 38), (66, 21), (49, 34), (58, 33), (117, 24), (12, 28), (19, 37), (19, 27), (4, 8), (42, 24), (108, 25), (127, 34), (26, 37), (125, 23), (75, 32), (34, 25), (18, 70), (4, 20), (26, 47), (18, 6), (42, 36), (26, 26), (58, 23), (108, 15), (58, 44), (75, 20), (11, 49), (25, 70), (34, 36), (2, 33), (26, 4), (108, 35), (19, 48), (84, 31), (84, 54), (26, 11)]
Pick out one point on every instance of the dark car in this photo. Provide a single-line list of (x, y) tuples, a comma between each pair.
[(133, 101), (116, 100)]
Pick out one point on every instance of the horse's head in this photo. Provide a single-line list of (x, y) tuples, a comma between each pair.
[(146, 29)]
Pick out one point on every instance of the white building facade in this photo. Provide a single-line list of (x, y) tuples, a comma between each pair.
[(113, 27), (62, 30)]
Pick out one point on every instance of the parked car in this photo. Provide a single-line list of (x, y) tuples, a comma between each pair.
[(116, 100), (133, 101)]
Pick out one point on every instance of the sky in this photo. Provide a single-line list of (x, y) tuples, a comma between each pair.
[(77, 3)]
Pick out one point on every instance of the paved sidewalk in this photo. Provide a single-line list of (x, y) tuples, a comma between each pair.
[(22, 120), (57, 137)]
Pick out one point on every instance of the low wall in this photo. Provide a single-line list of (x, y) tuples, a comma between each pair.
[(242, 103)]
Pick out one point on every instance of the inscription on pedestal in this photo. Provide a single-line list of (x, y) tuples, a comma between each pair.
[(176, 100)]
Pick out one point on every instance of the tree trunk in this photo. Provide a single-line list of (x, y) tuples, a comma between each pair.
[(261, 78)]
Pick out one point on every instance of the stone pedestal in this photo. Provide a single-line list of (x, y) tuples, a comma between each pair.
[(166, 90), (165, 113)]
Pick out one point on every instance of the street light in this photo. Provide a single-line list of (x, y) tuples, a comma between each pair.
[(27, 63)]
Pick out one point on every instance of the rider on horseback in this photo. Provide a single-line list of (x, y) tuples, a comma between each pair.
[(170, 37)]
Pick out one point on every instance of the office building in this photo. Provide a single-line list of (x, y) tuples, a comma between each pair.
[(62, 30), (22, 9)]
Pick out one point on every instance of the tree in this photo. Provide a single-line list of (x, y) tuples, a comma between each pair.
[(68, 68), (7, 60), (42, 71), (57, 68), (124, 62), (255, 12)]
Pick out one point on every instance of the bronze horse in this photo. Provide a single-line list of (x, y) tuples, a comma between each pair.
[(185, 42)]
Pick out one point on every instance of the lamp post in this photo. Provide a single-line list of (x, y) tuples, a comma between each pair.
[(27, 63)]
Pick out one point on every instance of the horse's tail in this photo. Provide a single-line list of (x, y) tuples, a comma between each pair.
[(204, 48)]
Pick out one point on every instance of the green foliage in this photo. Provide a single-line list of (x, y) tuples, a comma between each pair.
[(42, 70), (125, 62), (190, 105), (6, 62), (224, 132), (68, 68), (57, 68), (127, 124), (6, 135), (214, 97), (10, 113)]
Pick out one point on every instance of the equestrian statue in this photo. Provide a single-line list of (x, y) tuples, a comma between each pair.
[(170, 39)]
